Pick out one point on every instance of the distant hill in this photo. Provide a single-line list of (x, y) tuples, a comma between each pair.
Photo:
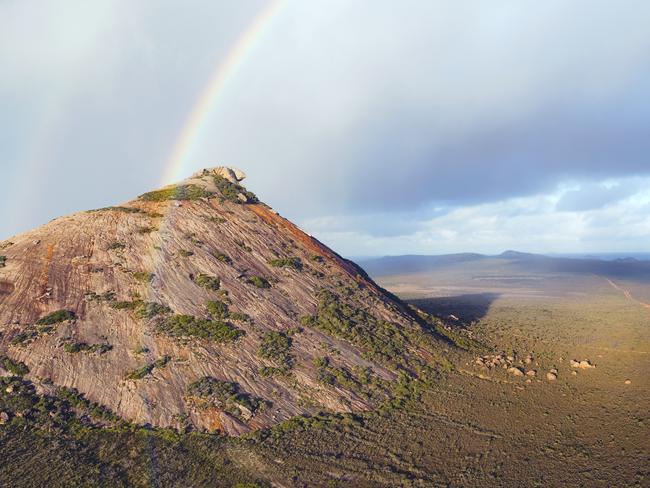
[(408, 264)]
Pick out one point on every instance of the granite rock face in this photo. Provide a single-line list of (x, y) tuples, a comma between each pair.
[(134, 305)]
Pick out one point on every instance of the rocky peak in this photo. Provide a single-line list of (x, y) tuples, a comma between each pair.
[(196, 306)]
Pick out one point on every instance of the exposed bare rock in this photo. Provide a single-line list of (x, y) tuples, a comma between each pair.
[(551, 376), (515, 371), (189, 282), (584, 364), (531, 372)]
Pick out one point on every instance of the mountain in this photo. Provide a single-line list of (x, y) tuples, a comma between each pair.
[(198, 307), (517, 261)]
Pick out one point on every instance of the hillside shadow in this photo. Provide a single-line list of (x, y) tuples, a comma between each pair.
[(467, 308)]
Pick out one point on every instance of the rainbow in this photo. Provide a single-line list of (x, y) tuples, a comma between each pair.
[(175, 165)]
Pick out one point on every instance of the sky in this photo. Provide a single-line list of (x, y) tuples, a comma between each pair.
[(380, 127)]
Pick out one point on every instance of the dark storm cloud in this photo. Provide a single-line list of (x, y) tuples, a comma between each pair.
[(501, 162)]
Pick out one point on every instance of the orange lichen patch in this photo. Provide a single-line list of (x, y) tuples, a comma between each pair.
[(213, 419), (314, 245), (44, 279)]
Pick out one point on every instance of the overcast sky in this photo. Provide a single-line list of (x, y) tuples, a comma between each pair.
[(381, 127)]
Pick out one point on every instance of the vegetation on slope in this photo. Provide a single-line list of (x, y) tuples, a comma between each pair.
[(179, 192), (276, 346), (292, 262), (232, 191), (56, 317), (225, 395), (189, 326)]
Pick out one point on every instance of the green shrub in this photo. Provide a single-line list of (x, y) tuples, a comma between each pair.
[(239, 316), (223, 394), (3, 261), (75, 347), (217, 309), (216, 220), (143, 276), (77, 400), (189, 326), (115, 246), (231, 191), (180, 192), (208, 282), (138, 374), (15, 367), (149, 310), (222, 257), (127, 305), (56, 317), (108, 296), (244, 246), (276, 346), (185, 253), (292, 262), (258, 281), (146, 230), (382, 340), (24, 337), (117, 209)]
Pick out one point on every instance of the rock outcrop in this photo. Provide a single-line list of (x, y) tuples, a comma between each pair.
[(196, 305)]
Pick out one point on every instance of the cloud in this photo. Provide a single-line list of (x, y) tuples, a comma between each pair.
[(529, 223), (365, 124), (592, 196)]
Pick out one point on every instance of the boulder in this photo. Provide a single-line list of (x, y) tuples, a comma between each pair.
[(4, 418), (551, 376), (584, 364), (515, 371), (628, 382), (531, 372)]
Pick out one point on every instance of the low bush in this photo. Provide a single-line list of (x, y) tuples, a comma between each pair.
[(208, 282), (225, 395), (149, 310), (217, 309), (24, 337), (219, 256), (276, 346), (232, 191), (146, 230), (15, 367), (3, 261), (382, 340), (75, 347), (189, 326), (116, 246), (108, 296), (143, 276), (185, 253), (180, 192), (56, 317), (147, 369), (117, 209), (292, 262), (258, 281)]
